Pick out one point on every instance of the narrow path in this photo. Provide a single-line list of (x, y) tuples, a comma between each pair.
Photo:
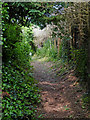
[(61, 97)]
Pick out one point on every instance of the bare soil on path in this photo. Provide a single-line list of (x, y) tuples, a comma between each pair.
[(60, 96)]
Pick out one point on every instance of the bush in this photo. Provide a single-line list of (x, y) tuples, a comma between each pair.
[(11, 36), (21, 53)]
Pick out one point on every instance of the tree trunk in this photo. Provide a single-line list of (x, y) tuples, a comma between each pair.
[(59, 42), (55, 43), (88, 26), (80, 40)]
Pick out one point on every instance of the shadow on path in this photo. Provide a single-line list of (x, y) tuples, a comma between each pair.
[(61, 98)]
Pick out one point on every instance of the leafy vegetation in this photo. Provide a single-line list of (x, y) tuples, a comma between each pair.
[(23, 94), (17, 78), (19, 92), (67, 43), (48, 50)]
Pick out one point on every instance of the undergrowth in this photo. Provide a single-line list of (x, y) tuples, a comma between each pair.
[(20, 94), (23, 95)]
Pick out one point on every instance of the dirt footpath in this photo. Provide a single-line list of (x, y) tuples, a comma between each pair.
[(61, 97)]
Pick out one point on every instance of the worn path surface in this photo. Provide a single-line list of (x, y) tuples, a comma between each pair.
[(61, 97)]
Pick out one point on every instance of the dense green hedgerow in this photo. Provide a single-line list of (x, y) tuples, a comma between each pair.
[(23, 93), (20, 94)]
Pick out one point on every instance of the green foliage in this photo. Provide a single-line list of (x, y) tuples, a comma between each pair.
[(4, 11), (17, 77), (26, 12), (86, 101), (27, 36), (27, 33), (18, 44), (63, 51), (11, 35), (23, 93), (21, 53), (48, 50), (79, 59)]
